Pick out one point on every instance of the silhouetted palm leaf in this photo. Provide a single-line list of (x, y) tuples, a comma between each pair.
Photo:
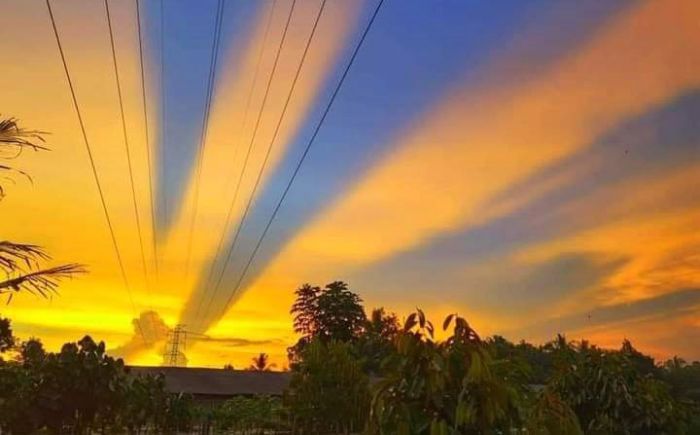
[(41, 282), (14, 256), (13, 140), (12, 135), (22, 262)]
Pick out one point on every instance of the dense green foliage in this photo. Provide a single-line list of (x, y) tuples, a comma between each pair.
[(81, 389), (683, 378), (447, 387), (248, 415), (328, 392), (467, 385), (78, 388)]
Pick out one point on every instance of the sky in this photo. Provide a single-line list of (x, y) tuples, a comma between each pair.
[(533, 166)]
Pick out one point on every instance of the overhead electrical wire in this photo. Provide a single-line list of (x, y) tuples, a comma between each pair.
[(127, 148), (303, 157), (205, 129), (93, 167), (256, 126), (163, 114), (203, 136), (271, 143), (149, 149), (227, 221)]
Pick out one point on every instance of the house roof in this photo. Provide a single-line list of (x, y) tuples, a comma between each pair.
[(218, 382)]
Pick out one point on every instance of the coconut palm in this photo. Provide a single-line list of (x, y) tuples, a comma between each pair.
[(22, 263), (261, 363)]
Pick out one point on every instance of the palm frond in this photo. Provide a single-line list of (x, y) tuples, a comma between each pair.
[(12, 136), (42, 282), (20, 256), (22, 264), (14, 140)]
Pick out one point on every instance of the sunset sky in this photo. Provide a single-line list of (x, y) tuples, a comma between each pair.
[(533, 166)]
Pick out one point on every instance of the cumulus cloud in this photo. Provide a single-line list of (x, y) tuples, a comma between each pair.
[(149, 331)]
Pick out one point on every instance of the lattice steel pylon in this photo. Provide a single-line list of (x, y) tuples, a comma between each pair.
[(174, 355)]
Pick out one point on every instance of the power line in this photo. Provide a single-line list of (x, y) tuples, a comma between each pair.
[(257, 122), (92, 163), (148, 143), (227, 221), (205, 127), (272, 141), (303, 157), (126, 146), (163, 117)]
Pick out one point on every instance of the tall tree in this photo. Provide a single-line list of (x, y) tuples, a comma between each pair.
[(22, 263), (331, 313)]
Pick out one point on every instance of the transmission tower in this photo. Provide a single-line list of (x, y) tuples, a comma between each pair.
[(174, 355)]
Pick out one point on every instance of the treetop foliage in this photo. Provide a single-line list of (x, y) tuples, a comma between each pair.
[(330, 313)]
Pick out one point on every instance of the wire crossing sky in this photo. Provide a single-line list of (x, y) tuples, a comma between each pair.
[(530, 165)]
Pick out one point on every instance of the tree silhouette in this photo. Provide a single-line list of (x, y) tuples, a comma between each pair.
[(20, 262), (261, 363), (331, 313), (7, 339)]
